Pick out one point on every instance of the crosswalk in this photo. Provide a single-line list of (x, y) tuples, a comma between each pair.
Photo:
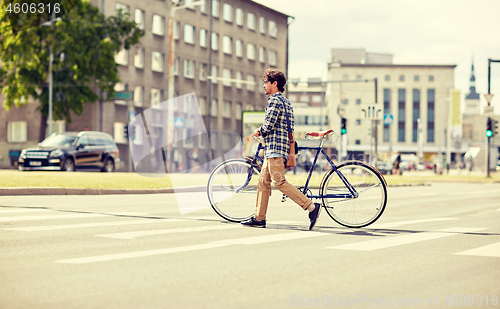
[(13, 220)]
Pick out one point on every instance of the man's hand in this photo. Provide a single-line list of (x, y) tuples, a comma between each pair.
[(256, 133)]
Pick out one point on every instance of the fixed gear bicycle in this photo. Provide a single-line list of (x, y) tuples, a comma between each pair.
[(354, 193)]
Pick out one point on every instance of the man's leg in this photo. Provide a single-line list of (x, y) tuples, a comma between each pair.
[(263, 192), (277, 171)]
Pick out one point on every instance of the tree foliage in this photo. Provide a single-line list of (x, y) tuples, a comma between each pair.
[(83, 42)]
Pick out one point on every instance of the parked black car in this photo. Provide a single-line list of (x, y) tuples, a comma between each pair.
[(70, 151)]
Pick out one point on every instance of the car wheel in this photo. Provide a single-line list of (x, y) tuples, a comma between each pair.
[(109, 166), (68, 165)]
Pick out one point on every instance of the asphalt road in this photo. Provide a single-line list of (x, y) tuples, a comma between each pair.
[(434, 246)]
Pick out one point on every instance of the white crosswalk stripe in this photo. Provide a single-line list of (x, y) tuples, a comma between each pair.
[(401, 223), (67, 216), (134, 235), (492, 250), (21, 210), (393, 241)]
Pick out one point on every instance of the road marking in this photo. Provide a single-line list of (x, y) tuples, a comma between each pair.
[(401, 223), (210, 245), (134, 235), (387, 242), (84, 225), (492, 250), (128, 255), (18, 210), (70, 216)]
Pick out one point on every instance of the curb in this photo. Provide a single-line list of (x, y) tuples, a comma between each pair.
[(74, 191)]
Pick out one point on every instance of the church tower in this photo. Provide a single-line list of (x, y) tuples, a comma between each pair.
[(472, 99)]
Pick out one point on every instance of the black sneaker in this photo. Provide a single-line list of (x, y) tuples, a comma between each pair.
[(314, 215), (254, 222)]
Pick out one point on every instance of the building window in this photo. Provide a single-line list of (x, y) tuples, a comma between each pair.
[(262, 54), (358, 101), (227, 12), (238, 48), (226, 75), (17, 131), (358, 77), (139, 58), (155, 96), (227, 45), (237, 111), (214, 74), (215, 8), (358, 122), (401, 114), (203, 38), (177, 26), (120, 6), (273, 29), (345, 77), (430, 114), (416, 78), (416, 113), (139, 18), (215, 41), (387, 111), (159, 25), (157, 62), (214, 108), (316, 98), (387, 77), (250, 82), (304, 98), (187, 138), (401, 78), (203, 71), (203, 7), (139, 96), (176, 66), (250, 51), (431, 78), (251, 21), (239, 77), (262, 25), (189, 34), (239, 17), (226, 109), (122, 57), (292, 98), (189, 66), (358, 142), (346, 101), (203, 105), (273, 57)]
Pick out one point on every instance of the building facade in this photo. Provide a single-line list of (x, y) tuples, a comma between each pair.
[(403, 93), (247, 38)]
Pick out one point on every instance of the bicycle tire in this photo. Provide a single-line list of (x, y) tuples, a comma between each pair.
[(362, 210), (224, 180)]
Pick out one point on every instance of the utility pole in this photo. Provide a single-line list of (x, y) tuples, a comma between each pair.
[(490, 110)]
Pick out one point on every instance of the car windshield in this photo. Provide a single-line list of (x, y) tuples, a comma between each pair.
[(58, 140)]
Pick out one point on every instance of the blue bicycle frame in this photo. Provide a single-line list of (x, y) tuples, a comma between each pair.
[(353, 193)]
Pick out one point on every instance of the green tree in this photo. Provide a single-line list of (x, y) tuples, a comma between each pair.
[(83, 42)]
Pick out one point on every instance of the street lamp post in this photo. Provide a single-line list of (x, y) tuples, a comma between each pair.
[(51, 60), (171, 80)]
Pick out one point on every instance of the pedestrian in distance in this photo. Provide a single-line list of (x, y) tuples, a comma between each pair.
[(396, 169), (277, 145)]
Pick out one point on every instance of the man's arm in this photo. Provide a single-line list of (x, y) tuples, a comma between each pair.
[(270, 118)]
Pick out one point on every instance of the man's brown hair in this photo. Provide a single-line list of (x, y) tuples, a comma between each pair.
[(274, 75)]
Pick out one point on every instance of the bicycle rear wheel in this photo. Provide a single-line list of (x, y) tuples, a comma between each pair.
[(226, 179), (359, 211)]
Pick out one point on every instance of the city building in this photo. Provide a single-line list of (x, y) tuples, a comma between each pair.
[(471, 101), (400, 95), (247, 38)]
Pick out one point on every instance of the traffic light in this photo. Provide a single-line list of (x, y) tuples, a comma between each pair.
[(125, 131), (489, 127), (494, 126), (343, 126)]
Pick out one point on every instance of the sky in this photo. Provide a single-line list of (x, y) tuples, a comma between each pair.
[(415, 32)]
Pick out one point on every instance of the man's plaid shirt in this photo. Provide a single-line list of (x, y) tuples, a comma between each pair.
[(274, 130)]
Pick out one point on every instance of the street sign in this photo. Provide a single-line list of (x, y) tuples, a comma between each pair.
[(371, 111), (123, 95), (489, 110), (178, 122), (341, 110), (488, 97), (388, 119)]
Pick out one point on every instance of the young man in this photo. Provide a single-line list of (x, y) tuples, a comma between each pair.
[(275, 134)]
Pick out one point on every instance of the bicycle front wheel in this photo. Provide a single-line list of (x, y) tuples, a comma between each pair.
[(232, 189), (358, 211)]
